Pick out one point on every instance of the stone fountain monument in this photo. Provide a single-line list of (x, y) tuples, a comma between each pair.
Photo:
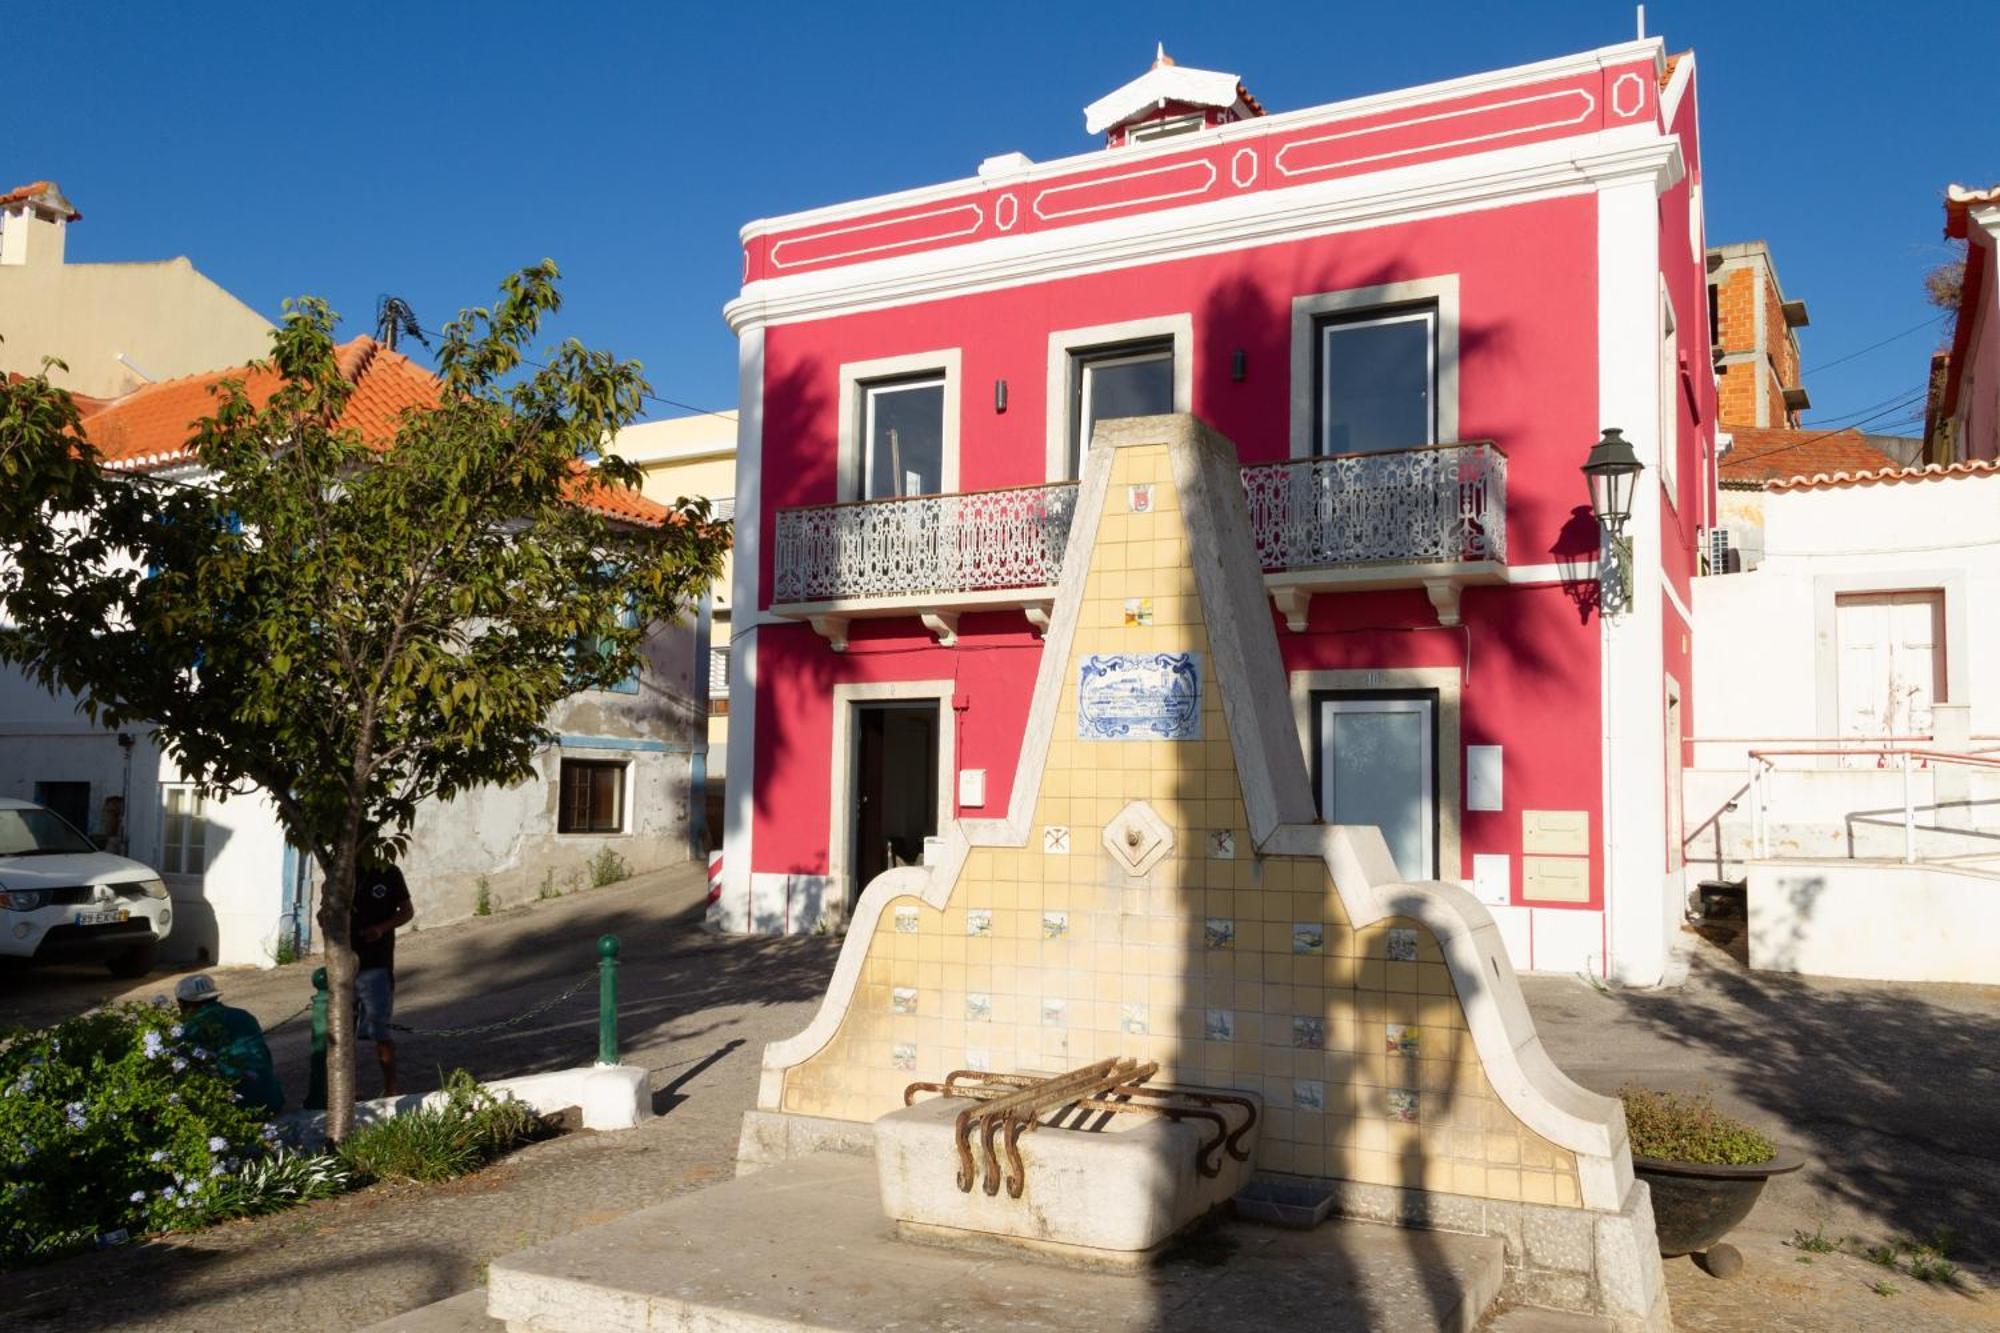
[(1080, 1029)]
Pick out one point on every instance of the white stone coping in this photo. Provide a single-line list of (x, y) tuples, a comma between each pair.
[(610, 1097), (1277, 799)]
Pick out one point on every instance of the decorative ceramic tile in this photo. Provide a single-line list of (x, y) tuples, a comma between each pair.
[(906, 920), (903, 1055), (1055, 925), (1138, 611), (1402, 945), (1222, 845), (1055, 840), (1401, 1040), (1139, 697), (978, 1057), (903, 1000), (1218, 932), (1055, 1012), (979, 921), (978, 1007), (1220, 1025), (1308, 1095), (1055, 1045), (1403, 1105), (1139, 498), (1133, 1019), (1308, 937), (1308, 1034)]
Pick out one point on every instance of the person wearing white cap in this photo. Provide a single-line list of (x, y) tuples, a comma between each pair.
[(236, 1038)]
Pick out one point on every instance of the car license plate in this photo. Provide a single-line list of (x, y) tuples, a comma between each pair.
[(105, 917)]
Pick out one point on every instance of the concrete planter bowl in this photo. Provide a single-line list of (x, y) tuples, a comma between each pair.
[(1696, 1204)]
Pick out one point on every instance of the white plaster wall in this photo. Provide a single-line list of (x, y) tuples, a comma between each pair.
[(1875, 921)]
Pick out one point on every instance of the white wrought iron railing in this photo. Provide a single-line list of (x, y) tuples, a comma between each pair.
[(978, 541), (1437, 504)]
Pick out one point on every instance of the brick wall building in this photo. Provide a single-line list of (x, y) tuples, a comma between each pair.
[(1755, 347)]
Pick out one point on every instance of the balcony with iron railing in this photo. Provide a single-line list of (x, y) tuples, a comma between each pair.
[(1432, 517)]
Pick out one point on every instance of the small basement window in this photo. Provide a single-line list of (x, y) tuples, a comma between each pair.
[(592, 796)]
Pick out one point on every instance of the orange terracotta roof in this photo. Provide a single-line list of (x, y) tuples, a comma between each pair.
[(1959, 201), (150, 427), (43, 191), (1761, 454), (1667, 72), (1889, 475)]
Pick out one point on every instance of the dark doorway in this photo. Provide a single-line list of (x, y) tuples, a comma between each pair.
[(895, 787), (71, 800)]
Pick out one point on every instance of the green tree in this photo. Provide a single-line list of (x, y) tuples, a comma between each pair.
[(352, 630)]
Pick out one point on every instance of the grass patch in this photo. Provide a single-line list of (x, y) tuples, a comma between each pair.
[(1884, 1288), (607, 867), (482, 902), (442, 1141), (548, 890), (1687, 1127), (1816, 1243)]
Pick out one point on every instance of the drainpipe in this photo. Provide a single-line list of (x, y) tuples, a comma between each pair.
[(698, 752)]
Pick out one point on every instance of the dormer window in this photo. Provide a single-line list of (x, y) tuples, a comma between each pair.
[(1165, 129), (1169, 100)]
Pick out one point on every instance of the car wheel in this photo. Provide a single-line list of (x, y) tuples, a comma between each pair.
[(136, 961)]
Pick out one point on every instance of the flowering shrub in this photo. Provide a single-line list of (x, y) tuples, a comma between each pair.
[(114, 1120)]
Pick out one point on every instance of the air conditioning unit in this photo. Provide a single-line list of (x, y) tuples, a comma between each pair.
[(1722, 557)]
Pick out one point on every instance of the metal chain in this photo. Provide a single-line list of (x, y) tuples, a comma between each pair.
[(588, 978), (296, 1013)]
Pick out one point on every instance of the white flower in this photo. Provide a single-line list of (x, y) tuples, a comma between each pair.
[(217, 1144)]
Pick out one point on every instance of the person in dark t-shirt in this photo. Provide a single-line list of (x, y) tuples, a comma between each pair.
[(381, 904)]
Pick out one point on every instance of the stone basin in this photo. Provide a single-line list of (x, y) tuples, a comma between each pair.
[(1109, 1191)]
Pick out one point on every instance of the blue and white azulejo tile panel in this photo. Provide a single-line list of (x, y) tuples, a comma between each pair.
[(1139, 697)]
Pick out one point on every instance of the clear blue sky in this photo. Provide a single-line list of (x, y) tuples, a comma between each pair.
[(424, 149)]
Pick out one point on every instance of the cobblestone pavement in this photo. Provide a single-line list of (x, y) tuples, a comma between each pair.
[(1892, 1092)]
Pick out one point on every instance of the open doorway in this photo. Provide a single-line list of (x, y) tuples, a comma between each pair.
[(895, 807)]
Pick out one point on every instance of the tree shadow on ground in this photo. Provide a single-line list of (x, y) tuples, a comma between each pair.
[(1892, 1092)]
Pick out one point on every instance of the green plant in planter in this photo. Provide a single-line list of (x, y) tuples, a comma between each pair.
[(114, 1120), (1687, 1127), (466, 1129)]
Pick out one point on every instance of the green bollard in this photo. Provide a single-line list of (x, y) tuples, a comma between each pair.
[(316, 1080), (607, 999)]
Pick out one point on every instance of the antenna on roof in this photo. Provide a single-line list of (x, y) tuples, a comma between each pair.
[(393, 319), (1160, 56), (1642, 23)]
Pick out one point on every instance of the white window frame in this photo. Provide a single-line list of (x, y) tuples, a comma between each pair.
[(1449, 685), (1311, 310), (1325, 329), (845, 760), (1670, 391), (197, 814), (1426, 711), (626, 808), (1066, 344), (856, 377)]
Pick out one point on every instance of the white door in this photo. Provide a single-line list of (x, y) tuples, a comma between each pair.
[(1891, 663), (1378, 765)]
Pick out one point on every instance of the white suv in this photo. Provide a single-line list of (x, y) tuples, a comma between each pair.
[(62, 898)]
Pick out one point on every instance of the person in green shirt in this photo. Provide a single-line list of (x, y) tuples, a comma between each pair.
[(234, 1037)]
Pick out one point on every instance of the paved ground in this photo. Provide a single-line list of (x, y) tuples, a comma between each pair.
[(1892, 1091)]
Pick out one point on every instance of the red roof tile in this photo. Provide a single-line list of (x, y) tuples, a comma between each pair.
[(40, 191), (1762, 454), (1889, 475), (150, 427)]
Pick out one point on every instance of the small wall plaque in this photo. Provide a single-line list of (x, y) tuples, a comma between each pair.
[(1138, 499)]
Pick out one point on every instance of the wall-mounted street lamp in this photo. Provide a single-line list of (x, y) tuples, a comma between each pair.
[(1613, 472)]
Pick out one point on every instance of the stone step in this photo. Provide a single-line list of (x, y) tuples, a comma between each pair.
[(463, 1313), (804, 1246), (1525, 1319)]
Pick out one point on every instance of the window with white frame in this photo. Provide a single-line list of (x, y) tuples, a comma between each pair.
[(902, 437), (1377, 380), (1134, 379), (183, 830), (718, 672), (1670, 393), (591, 796)]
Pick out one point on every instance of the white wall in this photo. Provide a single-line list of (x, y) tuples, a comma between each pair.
[(1882, 922)]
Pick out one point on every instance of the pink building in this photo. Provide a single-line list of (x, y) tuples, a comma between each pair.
[(1413, 314)]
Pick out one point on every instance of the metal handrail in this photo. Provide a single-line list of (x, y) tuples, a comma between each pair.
[(1760, 762)]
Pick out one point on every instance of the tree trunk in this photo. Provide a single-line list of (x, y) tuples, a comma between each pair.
[(336, 911)]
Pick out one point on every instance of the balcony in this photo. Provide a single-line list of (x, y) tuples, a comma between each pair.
[(1433, 517), (932, 556)]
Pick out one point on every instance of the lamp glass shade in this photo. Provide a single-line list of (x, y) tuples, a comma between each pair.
[(1611, 470)]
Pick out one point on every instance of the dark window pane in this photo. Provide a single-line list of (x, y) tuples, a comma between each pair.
[(905, 439), (1376, 384), (1118, 382), (591, 797)]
